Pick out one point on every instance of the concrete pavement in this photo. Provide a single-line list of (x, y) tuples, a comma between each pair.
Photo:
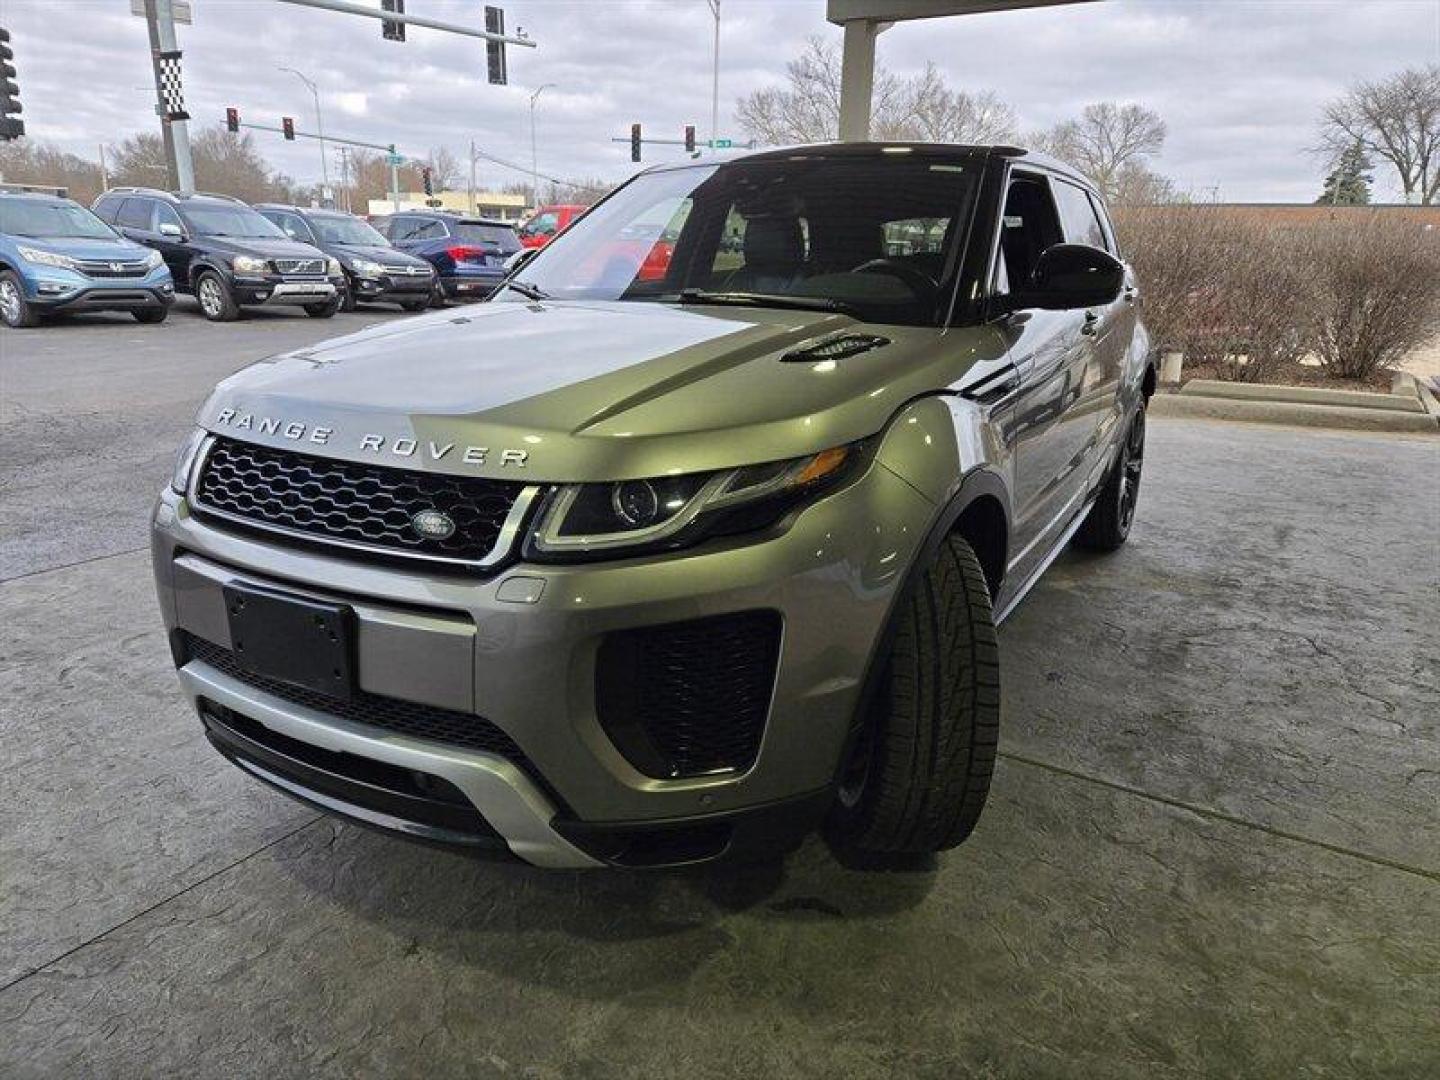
[(1212, 847)]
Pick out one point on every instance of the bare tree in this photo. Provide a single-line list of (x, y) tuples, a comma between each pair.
[(932, 112), (25, 161), (1396, 120), (140, 160), (1105, 140), (919, 109), (1136, 185), (444, 168)]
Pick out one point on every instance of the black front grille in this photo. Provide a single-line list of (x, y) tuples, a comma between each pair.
[(346, 502), (690, 698), (97, 269), (374, 710)]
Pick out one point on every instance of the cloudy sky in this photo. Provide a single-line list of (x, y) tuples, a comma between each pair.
[(1239, 82)]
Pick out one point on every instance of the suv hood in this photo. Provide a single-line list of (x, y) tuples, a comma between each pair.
[(87, 247), (381, 253), (265, 247), (587, 391)]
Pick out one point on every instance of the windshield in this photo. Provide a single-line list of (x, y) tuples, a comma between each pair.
[(876, 236), (238, 221), (54, 220), (346, 230), (501, 236)]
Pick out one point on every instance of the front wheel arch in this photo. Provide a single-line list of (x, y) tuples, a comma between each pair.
[(982, 493)]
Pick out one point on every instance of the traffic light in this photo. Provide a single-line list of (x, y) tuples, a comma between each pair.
[(634, 142), (689, 138), (495, 50), (391, 30), (232, 120), (425, 178), (288, 126), (10, 127)]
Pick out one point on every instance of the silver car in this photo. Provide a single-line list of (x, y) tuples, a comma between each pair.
[(678, 548)]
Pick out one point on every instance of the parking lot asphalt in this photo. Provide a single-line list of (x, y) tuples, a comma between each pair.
[(1212, 845)]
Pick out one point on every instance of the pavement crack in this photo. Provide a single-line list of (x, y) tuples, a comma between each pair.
[(160, 903), (1220, 815)]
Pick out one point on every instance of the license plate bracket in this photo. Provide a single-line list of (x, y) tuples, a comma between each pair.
[(294, 639)]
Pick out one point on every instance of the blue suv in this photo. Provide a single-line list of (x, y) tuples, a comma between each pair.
[(57, 256), (468, 253)]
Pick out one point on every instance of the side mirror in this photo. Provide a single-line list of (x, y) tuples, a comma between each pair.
[(169, 228), (1072, 276)]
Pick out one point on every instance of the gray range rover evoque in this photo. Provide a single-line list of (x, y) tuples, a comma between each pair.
[(646, 569)]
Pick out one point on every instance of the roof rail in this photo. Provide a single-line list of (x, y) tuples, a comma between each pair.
[(220, 195), (135, 189), (55, 190)]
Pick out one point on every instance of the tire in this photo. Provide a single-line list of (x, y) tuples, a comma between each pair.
[(16, 312), (151, 315), (919, 774), (416, 305), (325, 310), (216, 301), (1107, 525), (437, 297), (348, 303)]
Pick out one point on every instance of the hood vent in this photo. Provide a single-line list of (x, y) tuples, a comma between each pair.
[(835, 348)]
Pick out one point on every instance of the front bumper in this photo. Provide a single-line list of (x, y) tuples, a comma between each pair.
[(528, 665), (280, 289), (70, 291), (392, 288)]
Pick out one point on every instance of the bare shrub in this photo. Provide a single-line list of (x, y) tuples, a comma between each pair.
[(1179, 256), (1219, 286), (1265, 307), (1378, 285)]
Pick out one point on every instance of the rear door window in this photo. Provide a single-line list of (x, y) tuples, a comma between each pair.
[(1082, 226)]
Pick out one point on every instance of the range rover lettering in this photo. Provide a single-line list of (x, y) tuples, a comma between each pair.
[(632, 567)]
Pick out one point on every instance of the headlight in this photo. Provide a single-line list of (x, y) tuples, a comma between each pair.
[(248, 264), (153, 260), (185, 461), (47, 258), (363, 267), (585, 520), (332, 267)]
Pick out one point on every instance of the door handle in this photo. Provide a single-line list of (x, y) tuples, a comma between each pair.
[(1092, 324), (1130, 294)]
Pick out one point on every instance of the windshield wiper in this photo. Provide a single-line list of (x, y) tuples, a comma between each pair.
[(778, 300), (525, 289)]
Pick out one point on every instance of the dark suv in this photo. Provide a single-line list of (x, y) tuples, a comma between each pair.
[(374, 270), (468, 253), (224, 253)]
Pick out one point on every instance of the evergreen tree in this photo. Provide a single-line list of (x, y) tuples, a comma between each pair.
[(1349, 182)]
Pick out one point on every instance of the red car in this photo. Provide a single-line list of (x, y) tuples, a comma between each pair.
[(546, 223)]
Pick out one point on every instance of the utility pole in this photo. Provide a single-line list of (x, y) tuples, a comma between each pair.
[(104, 173), (160, 20), (715, 79), (394, 160), (319, 121), (534, 160), (472, 177)]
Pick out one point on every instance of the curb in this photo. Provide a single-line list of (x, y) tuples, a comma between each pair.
[(1305, 395), (1298, 414)]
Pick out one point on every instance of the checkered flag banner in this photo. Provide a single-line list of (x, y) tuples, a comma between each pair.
[(172, 94)]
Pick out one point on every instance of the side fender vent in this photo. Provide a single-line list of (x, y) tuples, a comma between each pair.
[(835, 348)]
